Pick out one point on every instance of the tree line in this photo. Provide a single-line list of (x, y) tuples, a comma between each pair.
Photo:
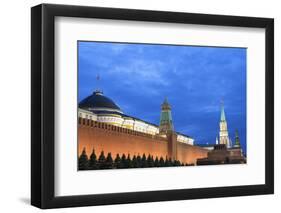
[(123, 162)]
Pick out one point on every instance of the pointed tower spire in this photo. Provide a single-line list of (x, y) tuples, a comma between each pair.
[(224, 138), (166, 123), (222, 112), (166, 101)]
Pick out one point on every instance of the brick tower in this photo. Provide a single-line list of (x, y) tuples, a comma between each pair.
[(166, 123)]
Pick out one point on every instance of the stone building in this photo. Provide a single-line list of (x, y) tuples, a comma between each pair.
[(223, 134)]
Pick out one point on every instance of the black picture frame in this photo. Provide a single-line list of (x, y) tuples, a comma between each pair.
[(43, 117)]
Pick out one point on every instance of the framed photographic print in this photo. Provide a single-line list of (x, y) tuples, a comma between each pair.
[(139, 106)]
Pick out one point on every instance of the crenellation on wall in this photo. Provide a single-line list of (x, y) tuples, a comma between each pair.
[(128, 122), (117, 140), (96, 124)]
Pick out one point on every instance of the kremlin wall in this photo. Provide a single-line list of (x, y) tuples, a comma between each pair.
[(114, 139), (103, 127)]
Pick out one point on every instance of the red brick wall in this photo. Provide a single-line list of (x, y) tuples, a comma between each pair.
[(108, 138), (188, 153)]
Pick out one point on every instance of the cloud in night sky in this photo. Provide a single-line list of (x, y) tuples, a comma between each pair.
[(194, 79)]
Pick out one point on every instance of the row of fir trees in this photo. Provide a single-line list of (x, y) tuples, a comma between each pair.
[(107, 162)]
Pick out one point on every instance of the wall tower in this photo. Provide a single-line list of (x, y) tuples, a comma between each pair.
[(224, 138), (166, 123), (237, 140)]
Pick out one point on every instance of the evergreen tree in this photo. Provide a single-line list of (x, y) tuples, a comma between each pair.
[(129, 162), (134, 162), (93, 160), (123, 162), (156, 162), (176, 163), (139, 161), (109, 161), (161, 162), (143, 161), (150, 162), (101, 161), (117, 161), (152, 159), (168, 162), (83, 162)]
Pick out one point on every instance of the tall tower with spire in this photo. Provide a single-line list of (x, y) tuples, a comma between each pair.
[(224, 138), (237, 139), (166, 122)]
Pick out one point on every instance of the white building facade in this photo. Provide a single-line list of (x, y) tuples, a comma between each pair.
[(99, 108)]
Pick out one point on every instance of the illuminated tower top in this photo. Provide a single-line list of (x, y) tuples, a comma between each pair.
[(224, 138), (166, 123), (222, 113), (237, 139)]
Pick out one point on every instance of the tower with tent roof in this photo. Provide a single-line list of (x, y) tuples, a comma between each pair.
[(223, 134)]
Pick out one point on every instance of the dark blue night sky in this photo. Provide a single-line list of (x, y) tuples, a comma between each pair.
[(137, 77)]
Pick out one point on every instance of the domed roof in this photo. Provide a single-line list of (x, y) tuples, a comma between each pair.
[(97, 102)]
